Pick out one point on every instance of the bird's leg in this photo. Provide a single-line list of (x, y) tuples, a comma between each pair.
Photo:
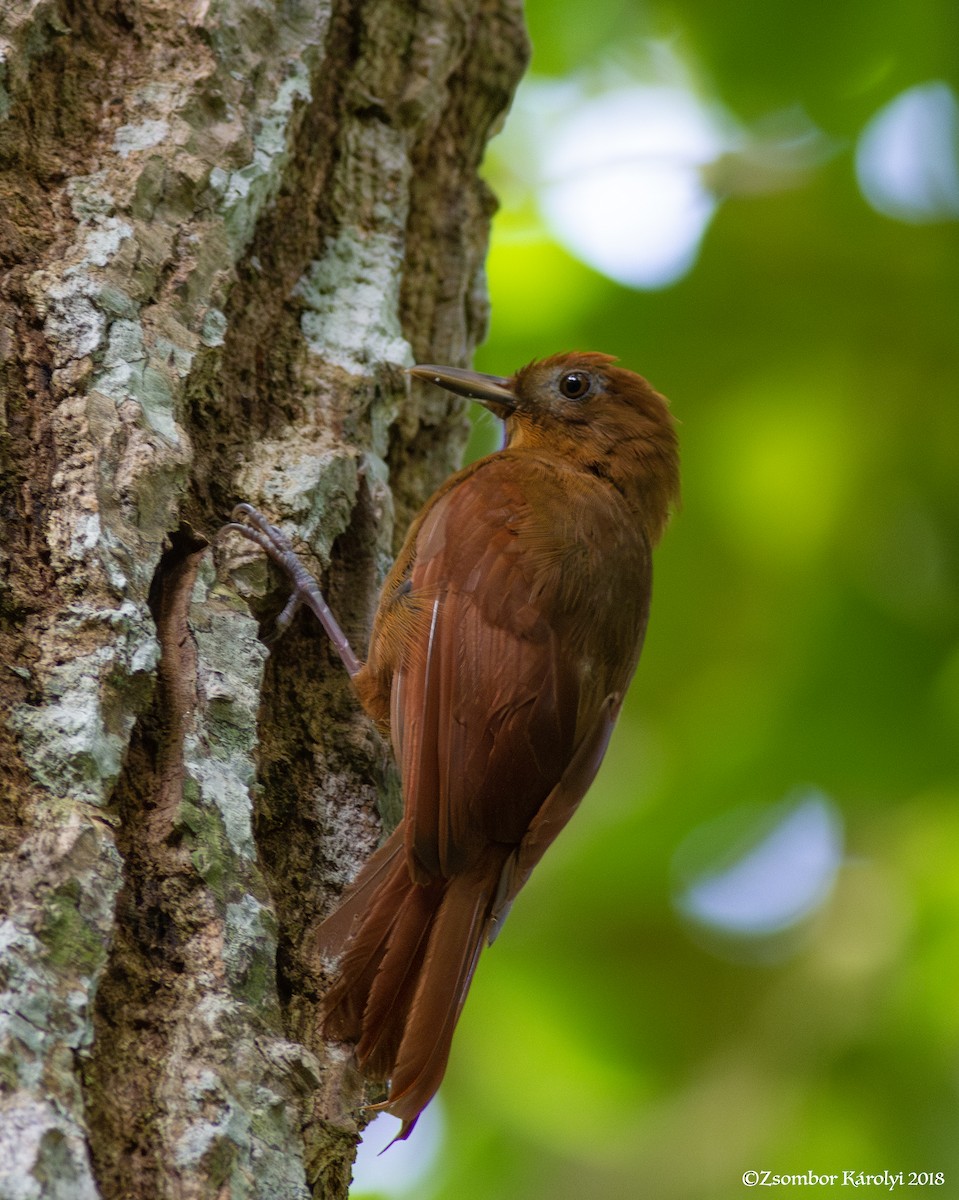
[(251, 524)]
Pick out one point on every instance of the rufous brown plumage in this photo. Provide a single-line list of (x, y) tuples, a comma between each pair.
[(506, 635)]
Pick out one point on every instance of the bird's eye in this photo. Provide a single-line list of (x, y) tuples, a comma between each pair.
[(574, 385)]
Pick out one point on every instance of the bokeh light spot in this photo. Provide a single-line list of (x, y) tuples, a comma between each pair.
[(772, 877), (624, 184), (907, 159)]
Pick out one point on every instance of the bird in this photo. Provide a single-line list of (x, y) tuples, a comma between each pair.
[(504, 639)]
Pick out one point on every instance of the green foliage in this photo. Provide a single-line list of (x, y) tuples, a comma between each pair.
[(805, 633)]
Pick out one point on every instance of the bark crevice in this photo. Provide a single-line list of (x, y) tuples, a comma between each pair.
[(162, 910)]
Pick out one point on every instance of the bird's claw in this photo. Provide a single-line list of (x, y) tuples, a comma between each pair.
[(251, 524)]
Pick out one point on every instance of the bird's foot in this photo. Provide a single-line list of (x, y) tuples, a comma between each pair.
[(250, 523)]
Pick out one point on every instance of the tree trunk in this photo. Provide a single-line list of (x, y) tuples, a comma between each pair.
[(225, 228)]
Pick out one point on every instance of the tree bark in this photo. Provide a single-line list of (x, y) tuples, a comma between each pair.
[(225, 228)]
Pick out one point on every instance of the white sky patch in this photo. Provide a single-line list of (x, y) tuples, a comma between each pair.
[(907, 157), (404, 1166)]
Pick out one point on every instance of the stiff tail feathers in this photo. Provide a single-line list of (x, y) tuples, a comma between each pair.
[(409, 954), (455, 942), (394, 984)]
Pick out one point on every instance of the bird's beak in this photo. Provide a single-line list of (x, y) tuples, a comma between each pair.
[(490, 390)]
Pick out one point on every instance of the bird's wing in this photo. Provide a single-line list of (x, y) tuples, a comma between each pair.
[(492, 700)]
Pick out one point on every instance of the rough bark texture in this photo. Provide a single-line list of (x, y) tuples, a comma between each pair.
[(225, 227)]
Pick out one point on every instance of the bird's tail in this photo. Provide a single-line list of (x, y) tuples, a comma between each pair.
[(409, 954)]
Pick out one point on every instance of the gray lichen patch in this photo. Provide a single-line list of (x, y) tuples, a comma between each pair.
[(244, 191), (214, 328), (74, 743), (296, 481), (41, 1150), (218, 748), (250, 928), (53, 946), (245, 1142), (143, 135), (352, 298), (127, 375), (90, 196), (102, 241), (74, 325)]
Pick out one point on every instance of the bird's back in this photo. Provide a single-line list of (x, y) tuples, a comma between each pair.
[(531, 587)]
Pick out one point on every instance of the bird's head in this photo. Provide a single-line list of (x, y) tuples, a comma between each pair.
[(582, 407)]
